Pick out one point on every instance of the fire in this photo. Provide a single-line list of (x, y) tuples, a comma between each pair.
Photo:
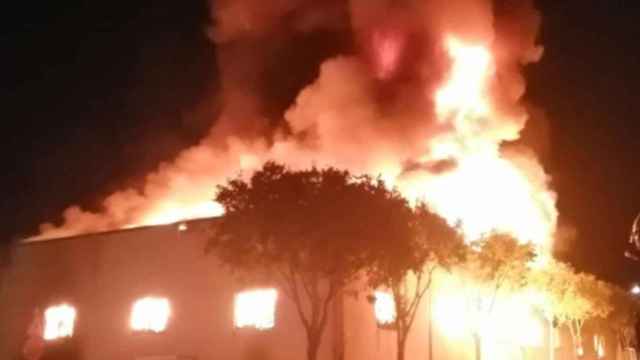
[(169, 212), (150, 314), (465, 170), (256, 309), (503, 323), (59, 321), (464, 93), (384, 308), (485, 190)]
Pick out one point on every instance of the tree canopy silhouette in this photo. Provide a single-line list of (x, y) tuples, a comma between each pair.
[(311, 231)]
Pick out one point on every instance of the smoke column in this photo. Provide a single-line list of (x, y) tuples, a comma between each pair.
[(428, 96)]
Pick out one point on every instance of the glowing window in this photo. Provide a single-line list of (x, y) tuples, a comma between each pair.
[(59, 321), (256, 309), (384, 308), (150, 314)]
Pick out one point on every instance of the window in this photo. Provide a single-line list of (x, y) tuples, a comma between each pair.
[(59, 321), (150, 314), (255, 309), (384, 308)]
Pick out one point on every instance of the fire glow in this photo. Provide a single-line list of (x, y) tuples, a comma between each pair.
[(256, 309), (485, 185), (483, 189), (59, 321), (464, 93), (150, 314), (503, 324), (384, 308)]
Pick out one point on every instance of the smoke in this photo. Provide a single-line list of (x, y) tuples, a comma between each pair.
[(363, 100)]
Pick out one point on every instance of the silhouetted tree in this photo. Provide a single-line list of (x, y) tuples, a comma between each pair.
[(309, 231), (405, 265), (622, 318)]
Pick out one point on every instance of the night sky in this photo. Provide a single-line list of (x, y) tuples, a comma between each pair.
[(95, 95)]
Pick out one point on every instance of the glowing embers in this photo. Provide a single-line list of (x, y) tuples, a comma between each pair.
[(150, 314), (255, 309), (384, 308), (59, 321)]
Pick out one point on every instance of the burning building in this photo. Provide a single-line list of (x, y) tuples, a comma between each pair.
[(153, 293), (429, 98), (432, 90)]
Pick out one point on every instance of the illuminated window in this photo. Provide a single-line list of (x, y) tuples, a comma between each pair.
[(150, 314), (59, 321), (384, 308), (255, 309)]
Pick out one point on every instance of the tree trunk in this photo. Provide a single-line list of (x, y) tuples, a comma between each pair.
[(314, 338), (312, 350), (478, 346), (401, 340)]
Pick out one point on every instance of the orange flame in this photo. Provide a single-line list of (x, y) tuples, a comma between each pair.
[(150, 314), (482, 188), (487, 189), (59, 322), (255, 309)]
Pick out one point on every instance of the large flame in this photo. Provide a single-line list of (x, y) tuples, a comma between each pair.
[(466, 170), (485, 190), (464, 94)]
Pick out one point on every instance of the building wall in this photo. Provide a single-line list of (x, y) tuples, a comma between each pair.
[(102, 275), (365, 340)]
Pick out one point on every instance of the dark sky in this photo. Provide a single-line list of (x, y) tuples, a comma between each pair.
[(94, 96)]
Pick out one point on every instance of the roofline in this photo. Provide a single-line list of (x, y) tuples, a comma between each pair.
[(32, 241)]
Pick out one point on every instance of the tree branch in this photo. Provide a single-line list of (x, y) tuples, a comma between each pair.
[(297, 301), (419, 294), (325, 307)]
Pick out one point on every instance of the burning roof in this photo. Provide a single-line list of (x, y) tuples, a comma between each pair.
[(430, 99)]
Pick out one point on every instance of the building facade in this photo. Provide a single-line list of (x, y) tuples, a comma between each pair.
[(153, 293)]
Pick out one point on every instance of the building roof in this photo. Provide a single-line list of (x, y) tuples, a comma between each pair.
[(178, 225)]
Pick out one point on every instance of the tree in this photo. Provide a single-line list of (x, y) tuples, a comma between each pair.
[(591, 301), (406, 265), (622, 318), (307, 230), (495, 264), (552, 284), (571, 298)]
